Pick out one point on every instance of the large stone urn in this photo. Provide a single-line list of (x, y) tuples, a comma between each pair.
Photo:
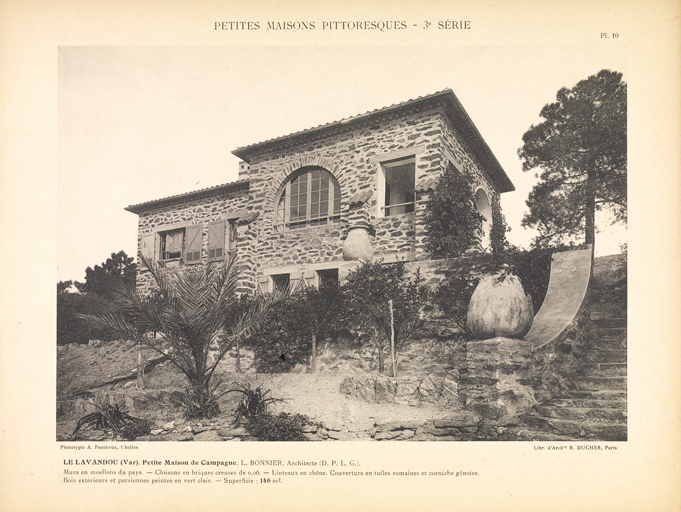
[(357, 246), (499, 307)]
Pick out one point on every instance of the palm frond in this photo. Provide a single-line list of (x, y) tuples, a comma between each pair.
[(190, 311)]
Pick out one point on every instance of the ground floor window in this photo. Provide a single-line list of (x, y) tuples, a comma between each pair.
[(281, 282), (327, 277)]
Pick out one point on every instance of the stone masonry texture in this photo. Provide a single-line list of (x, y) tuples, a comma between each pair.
[(350, 155)]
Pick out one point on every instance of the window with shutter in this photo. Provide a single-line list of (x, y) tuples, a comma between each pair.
[(180, 244), (216, 240)]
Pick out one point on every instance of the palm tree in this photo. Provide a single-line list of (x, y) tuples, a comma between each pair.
[(193, 312)]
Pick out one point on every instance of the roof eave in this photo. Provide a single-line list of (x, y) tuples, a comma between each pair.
[(245, 152), (189, 196), (480, 146)]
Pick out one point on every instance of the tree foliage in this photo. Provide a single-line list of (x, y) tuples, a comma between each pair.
[(453, 223), (95, 297), (368, 291), (581, 149), (194, 312), (103, 278), (295, 327), (71, 328)]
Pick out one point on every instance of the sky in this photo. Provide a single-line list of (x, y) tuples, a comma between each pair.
[(141, 123)]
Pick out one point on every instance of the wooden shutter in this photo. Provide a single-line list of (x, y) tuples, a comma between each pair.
[(264, 282), (147, 248), (216, 241), (193, 236)]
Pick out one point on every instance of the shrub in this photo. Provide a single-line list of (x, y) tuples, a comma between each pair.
[(283, 427), (254, 402), (382, 303), (296, 325), (202, 402), (112, 417), (277, 345)]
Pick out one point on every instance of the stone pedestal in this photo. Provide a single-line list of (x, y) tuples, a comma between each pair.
[(498, 381)]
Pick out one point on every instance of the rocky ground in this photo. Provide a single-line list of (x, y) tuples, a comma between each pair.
[(336, 411), (317, 396)]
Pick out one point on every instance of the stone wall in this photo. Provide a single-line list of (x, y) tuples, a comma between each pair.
[(203, 212), (353, 155), (352, 158)]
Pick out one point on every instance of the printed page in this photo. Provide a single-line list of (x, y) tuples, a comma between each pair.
[(107, 106)]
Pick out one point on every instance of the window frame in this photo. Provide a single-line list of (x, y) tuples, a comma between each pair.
[(409, 206), (281, 282), (392, 159), (152, 244), (283, 203), (320, 274), (163, 235)]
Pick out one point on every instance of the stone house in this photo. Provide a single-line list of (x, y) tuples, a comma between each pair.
[(309, 205)]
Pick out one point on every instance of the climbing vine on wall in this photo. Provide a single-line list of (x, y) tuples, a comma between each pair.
[(453, 223), (499, 229)]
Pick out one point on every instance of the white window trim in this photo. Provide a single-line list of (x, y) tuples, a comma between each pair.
[(380, 185), (379, 160)]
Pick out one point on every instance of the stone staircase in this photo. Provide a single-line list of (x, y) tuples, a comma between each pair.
[(596, 409)]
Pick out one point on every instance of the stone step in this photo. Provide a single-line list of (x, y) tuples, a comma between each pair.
[(579, 429), (602, 394), (583, 414), (608, 344), (604, 369), (610, 322), (610, 332), (599, 383), (605, 338), (597, 355), (589, 403)]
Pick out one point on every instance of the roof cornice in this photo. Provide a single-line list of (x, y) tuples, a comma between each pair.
[(189, 196)]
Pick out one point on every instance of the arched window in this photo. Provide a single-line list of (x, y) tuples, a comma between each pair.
[(311, 197)]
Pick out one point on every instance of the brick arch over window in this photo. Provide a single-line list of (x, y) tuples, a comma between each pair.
[(310, 197), (297, 164)]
